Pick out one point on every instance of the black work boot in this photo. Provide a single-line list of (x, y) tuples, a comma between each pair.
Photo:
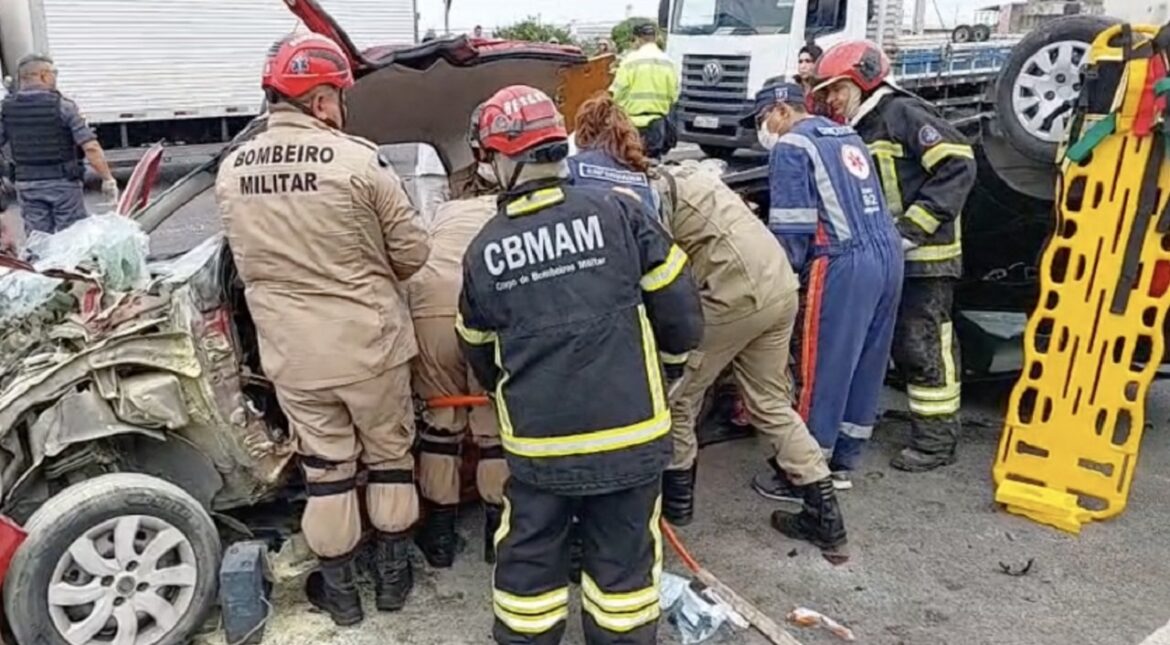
[(775, 485), (819, 522), (393, 578), (492, 514), (436, 538), (678, 495), (912, 460), (332, 588)]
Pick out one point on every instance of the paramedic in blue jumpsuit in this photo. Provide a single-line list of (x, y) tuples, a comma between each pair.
[(611, 154), (828, 211)]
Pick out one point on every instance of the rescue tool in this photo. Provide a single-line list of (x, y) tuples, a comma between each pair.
[(1071, 438)]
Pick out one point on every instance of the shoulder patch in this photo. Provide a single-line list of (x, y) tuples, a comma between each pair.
[(928, 135)]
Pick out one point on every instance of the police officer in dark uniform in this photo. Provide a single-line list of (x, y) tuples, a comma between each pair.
[(569, 293), (48, 138), (927, 170)]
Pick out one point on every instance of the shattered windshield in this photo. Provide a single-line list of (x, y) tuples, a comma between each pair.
[(697, 17)]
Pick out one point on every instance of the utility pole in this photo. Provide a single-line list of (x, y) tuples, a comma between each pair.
[(919, 24)]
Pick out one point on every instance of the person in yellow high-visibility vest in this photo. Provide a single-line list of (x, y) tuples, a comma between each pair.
[(646, 87)]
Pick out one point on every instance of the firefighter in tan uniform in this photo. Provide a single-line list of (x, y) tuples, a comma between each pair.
[(749, 296), (440, 371), (322, 234)]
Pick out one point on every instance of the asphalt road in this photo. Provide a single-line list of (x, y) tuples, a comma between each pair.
[(926, 549)]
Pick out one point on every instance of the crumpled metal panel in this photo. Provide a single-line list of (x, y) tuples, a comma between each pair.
[(171, 351), (77, 417), (152, 400)]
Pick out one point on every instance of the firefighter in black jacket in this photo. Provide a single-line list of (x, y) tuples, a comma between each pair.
[(569, 295), (927, 170)]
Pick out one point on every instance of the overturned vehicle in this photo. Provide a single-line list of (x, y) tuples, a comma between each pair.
[(134, 413)]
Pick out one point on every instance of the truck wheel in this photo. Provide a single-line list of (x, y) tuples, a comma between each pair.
[(122, 559), (981, 33), (1038, 87), (961, 34)]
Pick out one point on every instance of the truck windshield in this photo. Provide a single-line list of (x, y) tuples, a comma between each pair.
[(693, 17)]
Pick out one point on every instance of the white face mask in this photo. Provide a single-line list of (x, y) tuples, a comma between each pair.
[(767, 138)]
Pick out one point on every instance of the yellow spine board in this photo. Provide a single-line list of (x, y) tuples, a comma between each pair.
[(1075, 420)]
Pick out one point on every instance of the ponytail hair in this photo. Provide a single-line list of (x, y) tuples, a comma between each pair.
[(601, 124)]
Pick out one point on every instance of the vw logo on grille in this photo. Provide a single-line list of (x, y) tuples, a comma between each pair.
[(712, 73)]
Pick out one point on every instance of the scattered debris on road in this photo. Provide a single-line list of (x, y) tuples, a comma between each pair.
[(1017, 571)]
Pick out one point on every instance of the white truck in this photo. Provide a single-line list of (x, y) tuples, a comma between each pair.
[(186, 72), (726, 49)]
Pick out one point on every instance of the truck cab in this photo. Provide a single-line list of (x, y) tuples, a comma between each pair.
[(726, 49)]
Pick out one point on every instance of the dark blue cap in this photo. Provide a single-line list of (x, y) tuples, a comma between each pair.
[(771, 94)]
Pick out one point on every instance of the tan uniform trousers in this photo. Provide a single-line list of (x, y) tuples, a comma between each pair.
[(370, 420), (440, 370), (757, 349)]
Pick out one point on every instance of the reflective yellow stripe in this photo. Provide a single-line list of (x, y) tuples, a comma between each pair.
[(946, 337), (886, 152), (947, 398), (531, 624), (933, 394), (887, 147), (935, 409), (532, 605), (534, 201), (473, 336), (923, 219), (600, 440), (622, 622), (943, 150), (673, 359), (935, 253), (505, 524), (650, 361), (656, 534), (502, 414), (664, 274), (617, 603), (591, 442)]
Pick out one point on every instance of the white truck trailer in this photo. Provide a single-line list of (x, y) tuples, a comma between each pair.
[(186, 72)]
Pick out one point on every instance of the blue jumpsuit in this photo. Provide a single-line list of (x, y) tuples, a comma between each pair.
[(599, 168), (829, 213)]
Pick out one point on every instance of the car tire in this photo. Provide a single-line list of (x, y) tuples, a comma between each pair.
[(961, 34), (123, 547), (1076, 33), (981, 33)]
